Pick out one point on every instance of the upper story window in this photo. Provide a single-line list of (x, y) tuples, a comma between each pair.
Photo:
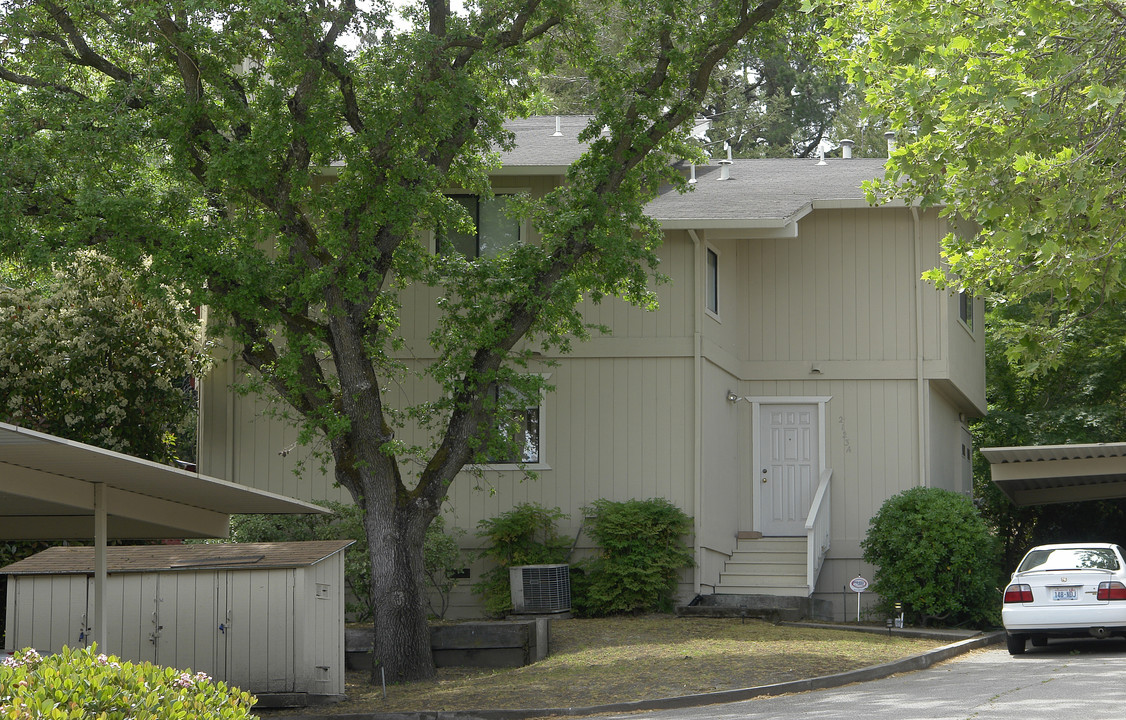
[(966, 308), (711, 283), (516, 437), (496, 231)]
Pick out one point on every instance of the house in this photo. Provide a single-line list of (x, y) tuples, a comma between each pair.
[(797, 374)]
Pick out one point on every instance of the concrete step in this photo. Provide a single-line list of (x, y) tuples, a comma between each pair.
[(753, 586), (771, 558), (773, 567), (772, 545), (766, 576)]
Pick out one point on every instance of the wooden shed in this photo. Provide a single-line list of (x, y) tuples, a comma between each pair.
[(266, 617)]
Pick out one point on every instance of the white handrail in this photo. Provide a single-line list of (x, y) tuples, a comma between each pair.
[(818, 530)]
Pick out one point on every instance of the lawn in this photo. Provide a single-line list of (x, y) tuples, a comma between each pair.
[(600, 661)]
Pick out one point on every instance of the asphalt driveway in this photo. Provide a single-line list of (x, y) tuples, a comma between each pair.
[(1073, 679)]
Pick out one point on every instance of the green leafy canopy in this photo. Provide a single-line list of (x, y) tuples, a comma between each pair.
[(1009, 116)]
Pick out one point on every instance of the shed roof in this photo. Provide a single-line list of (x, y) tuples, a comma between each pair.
[(1045, 474), (154, 558)]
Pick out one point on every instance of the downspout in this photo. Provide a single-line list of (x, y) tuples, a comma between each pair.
[(920, 379), (698, 403)]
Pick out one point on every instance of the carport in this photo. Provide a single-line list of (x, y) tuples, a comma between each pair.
[(1045, 474), (57, 489)]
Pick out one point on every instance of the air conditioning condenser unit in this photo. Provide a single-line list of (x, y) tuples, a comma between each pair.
[(540, 589)]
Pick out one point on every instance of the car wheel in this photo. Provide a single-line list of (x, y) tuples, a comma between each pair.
[(1016, 643), (1039, 640)]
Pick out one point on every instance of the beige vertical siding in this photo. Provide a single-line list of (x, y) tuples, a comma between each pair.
[(946, 438), (723, 482), (842, 290)]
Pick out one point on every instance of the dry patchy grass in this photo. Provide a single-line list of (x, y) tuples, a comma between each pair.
[(600, 661)]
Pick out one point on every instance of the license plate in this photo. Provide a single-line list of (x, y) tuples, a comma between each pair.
[(1068, 593)]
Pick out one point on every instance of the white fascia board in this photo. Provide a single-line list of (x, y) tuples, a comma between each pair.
[(741, 228)]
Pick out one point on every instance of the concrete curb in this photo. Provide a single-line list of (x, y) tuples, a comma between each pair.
[(909, 664)]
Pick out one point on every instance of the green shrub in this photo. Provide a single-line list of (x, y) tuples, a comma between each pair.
[(81, 684), (936, 556), (642, 551), (525, 535), (441, 558)]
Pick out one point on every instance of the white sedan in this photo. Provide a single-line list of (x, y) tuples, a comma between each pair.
[(1072, 590)]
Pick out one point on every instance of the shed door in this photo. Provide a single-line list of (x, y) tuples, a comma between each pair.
[(788, 447), (261, 627), (47, 612), (192, 635)]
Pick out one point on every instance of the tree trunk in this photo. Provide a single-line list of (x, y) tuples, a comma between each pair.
[(396, 529)]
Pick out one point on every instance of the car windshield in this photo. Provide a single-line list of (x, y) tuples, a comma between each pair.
[(1070, 559)]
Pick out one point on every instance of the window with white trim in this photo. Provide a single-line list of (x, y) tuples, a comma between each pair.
[(711, 282), (494, 231), (966, 308), (516, 436)]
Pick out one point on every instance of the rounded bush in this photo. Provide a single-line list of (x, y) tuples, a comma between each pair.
[(82, 684), (934, 554), (641, 552)]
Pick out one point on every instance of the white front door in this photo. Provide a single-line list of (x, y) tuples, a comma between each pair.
[(788, 467)]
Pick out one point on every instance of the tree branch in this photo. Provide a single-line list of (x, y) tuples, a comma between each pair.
[(86, 54)]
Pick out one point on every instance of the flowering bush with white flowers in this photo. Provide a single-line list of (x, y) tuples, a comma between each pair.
[(81, 684), (93, 354)]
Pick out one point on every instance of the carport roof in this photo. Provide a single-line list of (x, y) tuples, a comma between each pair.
[(47, 492), (1045, 474)]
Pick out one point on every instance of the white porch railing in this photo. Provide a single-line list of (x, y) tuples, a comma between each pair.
[(818, 530)]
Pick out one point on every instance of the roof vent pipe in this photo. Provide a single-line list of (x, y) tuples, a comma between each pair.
[(821, 153), (846, 149), (890, 137), (725, 165), (558, 128), (692, 178)]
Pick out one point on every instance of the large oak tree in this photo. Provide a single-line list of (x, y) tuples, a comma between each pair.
[(193, 135), (1009, 115)]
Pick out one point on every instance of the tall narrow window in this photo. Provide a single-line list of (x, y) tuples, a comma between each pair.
[(711, 301), (494, 232), (966, 308)]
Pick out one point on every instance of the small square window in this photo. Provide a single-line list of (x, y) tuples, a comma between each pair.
[(711, 301), (495, 230)]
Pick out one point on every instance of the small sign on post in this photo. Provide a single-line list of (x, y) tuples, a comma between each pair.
[(858, 585)]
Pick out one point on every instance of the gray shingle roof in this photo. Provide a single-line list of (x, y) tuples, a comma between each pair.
[(759, 193), (537, 146), (149, 558), (765, 190)]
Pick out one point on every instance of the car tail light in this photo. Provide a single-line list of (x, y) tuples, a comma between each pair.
[(1111, 590), (1017, 593)]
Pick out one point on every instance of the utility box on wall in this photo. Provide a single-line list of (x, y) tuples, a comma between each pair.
[(265, 617)]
